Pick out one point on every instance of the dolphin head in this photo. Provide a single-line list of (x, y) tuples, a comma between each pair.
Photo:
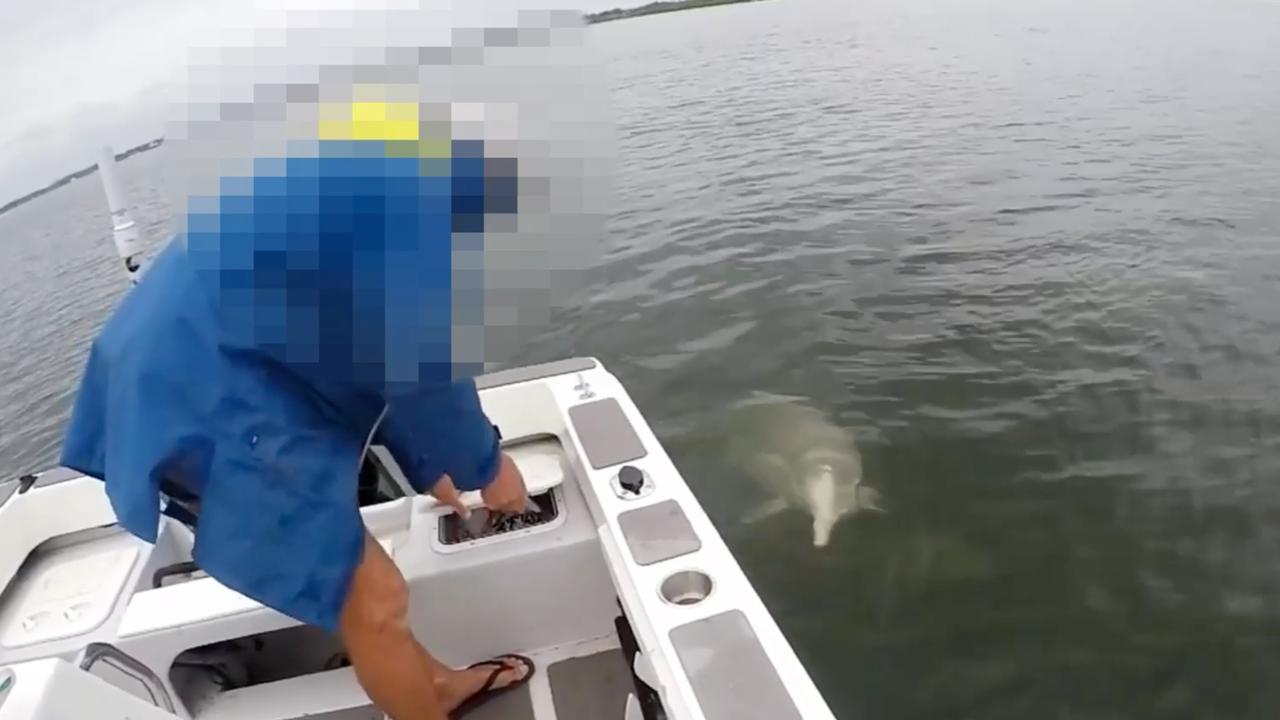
[(820, 495), (829, 498), (822, 531), (802, 459)]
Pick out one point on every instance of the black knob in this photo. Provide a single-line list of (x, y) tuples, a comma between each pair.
[(631, 479)]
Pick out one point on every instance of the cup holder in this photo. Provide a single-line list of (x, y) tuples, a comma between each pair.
[(687, 587)]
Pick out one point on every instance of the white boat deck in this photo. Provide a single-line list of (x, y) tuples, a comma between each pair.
[(620, 589)]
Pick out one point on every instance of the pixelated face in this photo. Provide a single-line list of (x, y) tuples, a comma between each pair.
[(407, 191)]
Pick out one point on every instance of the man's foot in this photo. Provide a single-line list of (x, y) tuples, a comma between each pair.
[(464, 690)]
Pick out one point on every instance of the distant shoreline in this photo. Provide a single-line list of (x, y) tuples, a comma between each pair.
[(654, 8), (66, 179)]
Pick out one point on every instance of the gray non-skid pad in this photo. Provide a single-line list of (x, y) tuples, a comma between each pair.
[(534, 372), (658, 532), (514, 705), (731, 674), (605, 433), (591, 687), (364, 713)]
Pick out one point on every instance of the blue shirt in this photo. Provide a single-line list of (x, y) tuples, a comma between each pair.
[(250, 363)]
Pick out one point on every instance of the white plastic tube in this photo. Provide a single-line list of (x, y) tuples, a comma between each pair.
[(124, 231)]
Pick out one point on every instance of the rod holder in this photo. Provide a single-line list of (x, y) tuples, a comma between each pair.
[(124, 231)]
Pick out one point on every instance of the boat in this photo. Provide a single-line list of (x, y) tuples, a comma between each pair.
[(617, 585)]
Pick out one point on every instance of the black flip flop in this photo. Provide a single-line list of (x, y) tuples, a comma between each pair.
[(485, 693)]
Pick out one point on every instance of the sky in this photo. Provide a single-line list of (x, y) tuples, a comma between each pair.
[(78, 74)]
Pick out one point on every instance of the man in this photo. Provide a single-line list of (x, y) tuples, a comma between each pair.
[(303, 311)]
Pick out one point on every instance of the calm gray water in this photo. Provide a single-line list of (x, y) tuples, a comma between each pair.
[(1026, 250)]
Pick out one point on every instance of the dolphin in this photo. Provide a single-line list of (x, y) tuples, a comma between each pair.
[(800, 458)]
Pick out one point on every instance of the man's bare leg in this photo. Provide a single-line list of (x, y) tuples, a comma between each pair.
[(397, 673)]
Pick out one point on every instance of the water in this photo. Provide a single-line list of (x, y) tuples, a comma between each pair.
[(1025, 250)]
